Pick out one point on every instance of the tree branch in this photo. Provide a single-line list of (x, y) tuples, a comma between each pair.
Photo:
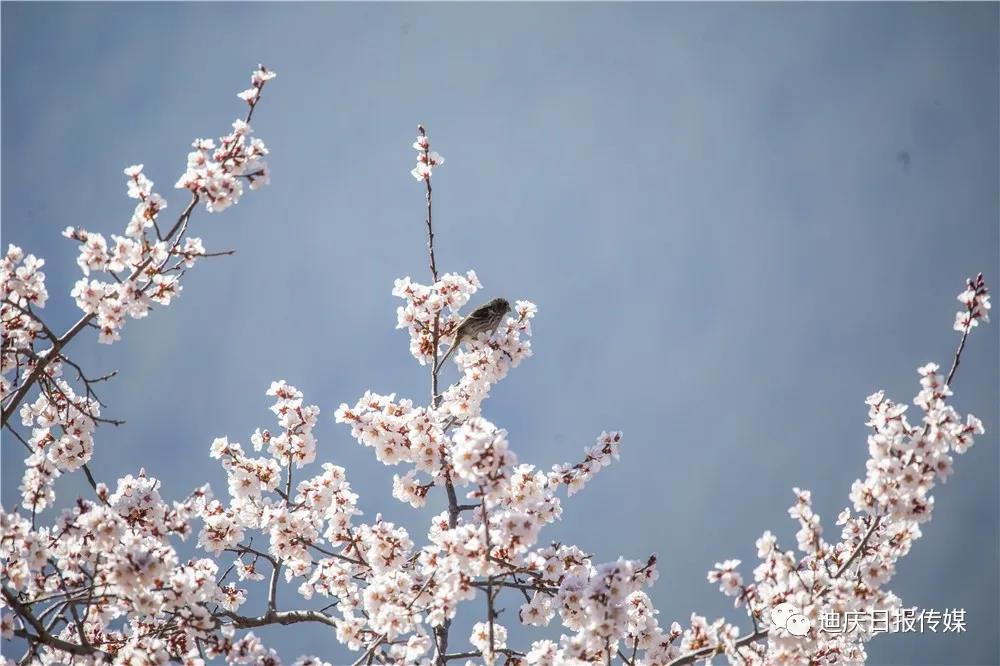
[(697, 655)]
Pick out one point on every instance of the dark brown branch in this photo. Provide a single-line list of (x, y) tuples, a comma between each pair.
[(524, 587), (42, 634), (278, 617), (59, 343), (440, 633), (490, 611), (330, 553), (958, 356), (876, 521), (19, 437), (697, 655), (28, 312), (272, 592)]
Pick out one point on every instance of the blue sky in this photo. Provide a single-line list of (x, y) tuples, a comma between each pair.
[(705, 202)]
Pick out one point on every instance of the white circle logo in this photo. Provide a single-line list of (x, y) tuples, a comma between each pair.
[(789, 618), (781, 613), (797, 625)]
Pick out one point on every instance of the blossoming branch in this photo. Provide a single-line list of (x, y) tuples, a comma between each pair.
[(102, 581)]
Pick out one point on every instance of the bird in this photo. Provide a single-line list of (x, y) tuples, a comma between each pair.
[(484, 319)]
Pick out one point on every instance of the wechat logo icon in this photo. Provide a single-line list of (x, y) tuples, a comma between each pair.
[(788, 617)]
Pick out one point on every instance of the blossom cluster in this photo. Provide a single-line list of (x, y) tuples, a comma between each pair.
[(136, 265), (117, 553), (62, 438), (108, 571), (398, 431), (481, 456), (23, 283), (424, 315), (115, 587), (485, 364), (22, 288), (453, 444), (889, 506), (215, 173), (141, 268), (257, 80), (976, 299), (323, 504), (427, 159)]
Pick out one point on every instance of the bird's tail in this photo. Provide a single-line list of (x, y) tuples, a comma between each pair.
[(444, 358)]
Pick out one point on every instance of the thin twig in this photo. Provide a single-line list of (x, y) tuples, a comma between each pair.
[(490, 611), (441, 632)]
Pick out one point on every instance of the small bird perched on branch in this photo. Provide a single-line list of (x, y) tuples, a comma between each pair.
[(484, 319)]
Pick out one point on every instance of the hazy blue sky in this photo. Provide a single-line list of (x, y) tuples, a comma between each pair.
[(705, 202)]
